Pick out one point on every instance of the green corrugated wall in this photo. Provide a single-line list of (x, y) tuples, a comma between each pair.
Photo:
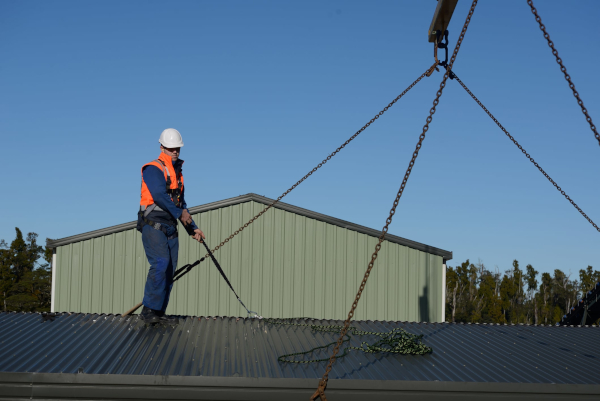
[(283, 265)]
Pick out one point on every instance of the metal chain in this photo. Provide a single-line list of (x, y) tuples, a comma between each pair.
[(236, 232), (320, 392), (396, 341), (526, 154), (564, 71)]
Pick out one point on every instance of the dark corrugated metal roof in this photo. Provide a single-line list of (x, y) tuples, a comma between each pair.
[(231, 347)]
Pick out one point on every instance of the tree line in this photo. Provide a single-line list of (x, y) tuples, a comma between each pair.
[(476, 294), (25, 274)]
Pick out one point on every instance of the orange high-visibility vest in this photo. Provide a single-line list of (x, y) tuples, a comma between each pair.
[(174, 183)]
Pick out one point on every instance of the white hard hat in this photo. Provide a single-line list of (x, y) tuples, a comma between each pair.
[(171, 138)]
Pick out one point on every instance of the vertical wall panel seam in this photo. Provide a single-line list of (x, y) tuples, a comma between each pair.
[(262, 261), (91, 275), (80, 276), (66, 298), (69, 305), (123, 275), (68, 279), (301, 254), (293, 260), (101, 281), (113, 260), (315, 313)]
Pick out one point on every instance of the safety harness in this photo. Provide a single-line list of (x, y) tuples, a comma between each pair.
[(175, 195)]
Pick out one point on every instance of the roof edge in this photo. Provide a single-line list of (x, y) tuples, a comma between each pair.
[(314, 319), (446, 255), (70, 385)]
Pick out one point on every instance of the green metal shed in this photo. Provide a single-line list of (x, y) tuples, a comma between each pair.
[(291, 262)]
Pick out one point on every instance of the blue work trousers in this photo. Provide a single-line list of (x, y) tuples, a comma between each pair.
[(162, 256)]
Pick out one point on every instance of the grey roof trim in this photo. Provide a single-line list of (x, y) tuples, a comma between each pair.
[(132, 224), (79, 386), (447, 255)]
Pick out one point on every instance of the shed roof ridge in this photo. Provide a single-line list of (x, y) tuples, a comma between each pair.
[(446, 255)]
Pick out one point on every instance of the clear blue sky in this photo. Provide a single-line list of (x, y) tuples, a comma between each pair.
[(263, 90)]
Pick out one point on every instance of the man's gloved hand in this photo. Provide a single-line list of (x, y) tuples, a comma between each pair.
[(198, 235), (186, 218)]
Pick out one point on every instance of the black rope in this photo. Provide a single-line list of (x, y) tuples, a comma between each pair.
[(185, 269), (225, 278)]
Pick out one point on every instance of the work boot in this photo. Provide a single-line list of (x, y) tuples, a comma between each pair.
[(149, 316), (172, 320)]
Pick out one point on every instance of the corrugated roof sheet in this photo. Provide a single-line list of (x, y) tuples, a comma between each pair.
[(231, 347)]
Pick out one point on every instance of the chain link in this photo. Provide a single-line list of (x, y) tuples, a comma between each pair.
[(526, 154), (564, 71), (236, 232), (396, 341), (320, 392)]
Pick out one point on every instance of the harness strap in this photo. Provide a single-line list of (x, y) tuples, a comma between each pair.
[(149, 208), (157, 226), (165, 169)]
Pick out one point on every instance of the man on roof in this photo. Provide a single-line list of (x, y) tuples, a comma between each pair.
[(162, 203)]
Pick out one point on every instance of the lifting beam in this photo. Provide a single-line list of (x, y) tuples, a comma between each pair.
[(441, 18)]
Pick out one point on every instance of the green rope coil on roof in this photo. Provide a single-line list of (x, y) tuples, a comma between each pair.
[(395, 341)]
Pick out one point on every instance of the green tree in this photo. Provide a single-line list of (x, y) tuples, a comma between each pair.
[(474, 294), (25, 283), (532, 286), (6, 276), (511, 294), (456, 284), (545, 297), (489, 291), (588, 278), (565, 293)]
